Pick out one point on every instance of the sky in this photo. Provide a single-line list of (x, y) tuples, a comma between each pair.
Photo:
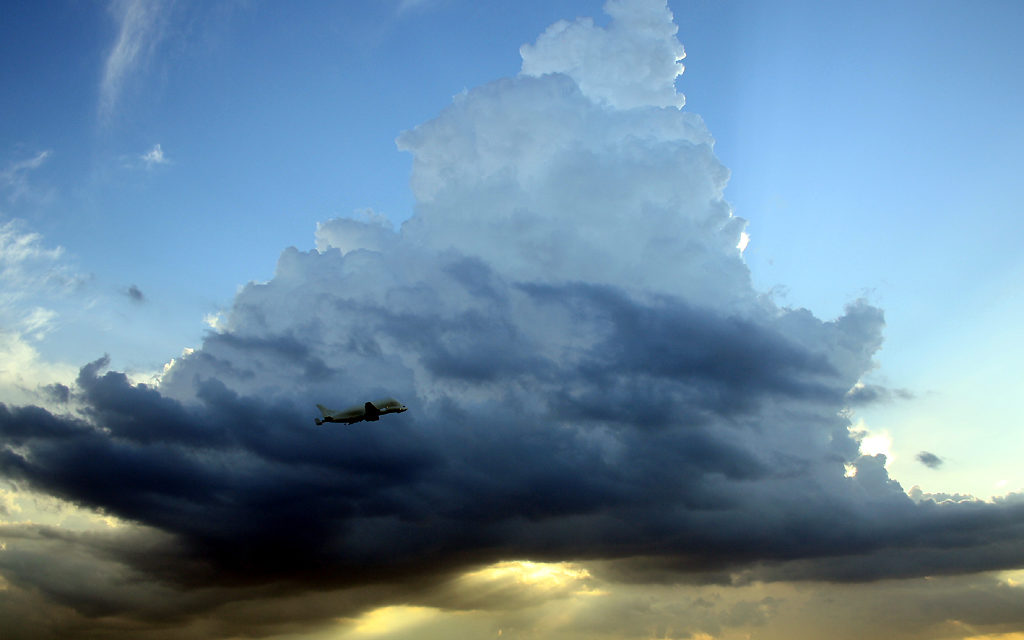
[(705, 314)]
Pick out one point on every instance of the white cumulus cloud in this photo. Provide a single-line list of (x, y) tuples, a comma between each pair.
[(634, 62)]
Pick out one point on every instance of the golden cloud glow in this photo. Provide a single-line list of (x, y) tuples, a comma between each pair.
[(1013, 578), (389, 620), (542, 576), (533, 573), (31, 508)]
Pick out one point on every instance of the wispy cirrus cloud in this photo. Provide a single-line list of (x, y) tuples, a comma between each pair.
[(23, 165), (32, 277), (26, 265), (140, 30), (14, 177)]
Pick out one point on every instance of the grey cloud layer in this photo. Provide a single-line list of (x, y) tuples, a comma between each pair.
[(548, 421)]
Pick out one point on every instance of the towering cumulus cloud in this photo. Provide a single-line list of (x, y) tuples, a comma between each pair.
[(589, 373)]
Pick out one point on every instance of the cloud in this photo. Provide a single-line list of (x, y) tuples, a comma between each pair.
[(362, 230), (37, 322), (20, 253), (864, 394), (634, 62), (140, 30), (154, 157), (33, 280), (918, 495), (24, 370), (929, 460), (13, 173), (135, 294), (58, 392), (14, 177), (591, 378), (27, 165), (31, 275)]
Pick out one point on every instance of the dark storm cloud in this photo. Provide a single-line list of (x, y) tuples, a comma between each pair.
[(929, 459), (251, 492), (57, 392), (214, 474), (677, 358), (306, 364)]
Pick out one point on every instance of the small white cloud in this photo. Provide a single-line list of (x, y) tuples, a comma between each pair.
[(154, 157)]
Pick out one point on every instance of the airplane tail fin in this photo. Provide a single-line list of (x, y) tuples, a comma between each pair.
[(372, 412), (324, 410)]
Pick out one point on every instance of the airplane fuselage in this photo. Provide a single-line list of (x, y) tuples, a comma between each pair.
[(370, 411)]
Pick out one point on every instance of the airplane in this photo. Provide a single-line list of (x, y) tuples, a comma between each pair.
[(371, 412)]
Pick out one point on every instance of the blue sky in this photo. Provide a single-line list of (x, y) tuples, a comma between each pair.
[(157, 157), (874, 149)]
